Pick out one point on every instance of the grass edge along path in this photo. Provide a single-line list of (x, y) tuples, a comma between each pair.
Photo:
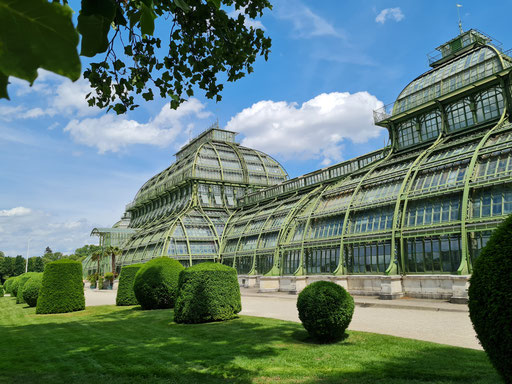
[(126, 345)]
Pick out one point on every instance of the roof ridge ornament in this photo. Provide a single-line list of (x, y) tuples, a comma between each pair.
[(460, 21)]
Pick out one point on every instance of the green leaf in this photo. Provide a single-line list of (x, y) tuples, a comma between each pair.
[(183, 5), (147, 20), (216, 3), (4, 80), (94, 22), (37, 34)]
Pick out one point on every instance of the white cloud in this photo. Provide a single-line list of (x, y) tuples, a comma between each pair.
[(18, 211), (43, 230), (247, 22), (306, 23), (113, 133), (315, 129), (390, 14)]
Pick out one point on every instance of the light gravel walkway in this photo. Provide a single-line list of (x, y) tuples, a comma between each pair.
[(428, 320)]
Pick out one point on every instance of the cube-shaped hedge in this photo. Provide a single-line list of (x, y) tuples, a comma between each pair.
[(207, 292), (156, 283), (125, 294), (30, 291), (62, 288)]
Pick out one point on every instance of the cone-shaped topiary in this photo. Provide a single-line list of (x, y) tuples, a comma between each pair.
[(62, 288), (31, 288), (14, 286), (207, 292), (325, 310), (490, 299), (125, 294), (22, 279), (8, 284), (156, 283)]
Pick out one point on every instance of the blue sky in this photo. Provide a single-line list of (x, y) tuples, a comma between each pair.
[(66, 168)]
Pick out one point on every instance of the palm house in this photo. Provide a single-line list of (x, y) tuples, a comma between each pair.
[(408, 219)]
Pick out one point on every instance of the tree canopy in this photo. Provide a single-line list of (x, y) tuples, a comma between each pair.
[(202, 43)]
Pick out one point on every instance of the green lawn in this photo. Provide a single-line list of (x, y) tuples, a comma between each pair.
[(111, 345)]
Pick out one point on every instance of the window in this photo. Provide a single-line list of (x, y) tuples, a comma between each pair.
[(367, 257), (459, 115), (264, 263), (433, 255), (322, 260), (290, 261)]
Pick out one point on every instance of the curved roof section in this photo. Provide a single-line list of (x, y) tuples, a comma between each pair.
[(216, 158), (475, 65)]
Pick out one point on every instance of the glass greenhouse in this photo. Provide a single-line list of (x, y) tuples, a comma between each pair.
[(423, 205)]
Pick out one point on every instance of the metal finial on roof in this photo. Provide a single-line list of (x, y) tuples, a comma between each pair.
[(460, 21)]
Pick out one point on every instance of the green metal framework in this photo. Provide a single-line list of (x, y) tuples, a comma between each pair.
[(424, 204)]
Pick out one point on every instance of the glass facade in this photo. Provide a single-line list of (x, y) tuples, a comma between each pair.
[(424, 204)]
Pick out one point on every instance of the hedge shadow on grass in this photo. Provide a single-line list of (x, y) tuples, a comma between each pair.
[(133, 346)]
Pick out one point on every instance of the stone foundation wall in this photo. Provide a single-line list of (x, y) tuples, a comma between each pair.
[(444, 287)]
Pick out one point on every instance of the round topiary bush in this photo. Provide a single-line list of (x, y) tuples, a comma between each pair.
[(207, 292), (22, 279), (31, 289), (156, 283), (325, 310), (62, 288), (125, 294), (8, 284), (14, 286), (490, 299)]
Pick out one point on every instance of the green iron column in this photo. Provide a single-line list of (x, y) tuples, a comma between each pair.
[(464, 267)]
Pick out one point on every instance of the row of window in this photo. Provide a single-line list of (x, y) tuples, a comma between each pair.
[(483, 107), (433, 212)]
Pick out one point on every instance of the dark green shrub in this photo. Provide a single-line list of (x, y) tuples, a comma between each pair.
[(125, 294), (325, 310), (207, 292), (1, 291), (62, 288), (22, 279), (14, 286), (490, 299), (31, 288), (8, 284), (156, 283)]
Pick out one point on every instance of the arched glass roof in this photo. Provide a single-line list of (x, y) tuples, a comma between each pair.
[(455, 74), (215, 160)]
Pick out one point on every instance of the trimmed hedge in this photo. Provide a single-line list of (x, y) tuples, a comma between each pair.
[(22, 279), (490, 299), (125, 294), (62, 288), (31, 289), (207, 292), (325, 310), (156, 283)]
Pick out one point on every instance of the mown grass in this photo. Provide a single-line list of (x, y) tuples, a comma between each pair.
[(113, 345)]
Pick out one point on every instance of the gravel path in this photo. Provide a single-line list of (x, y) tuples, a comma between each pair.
[(428, 320)]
